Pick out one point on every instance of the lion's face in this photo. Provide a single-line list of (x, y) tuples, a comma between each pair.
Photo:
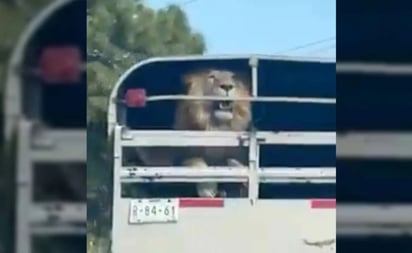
[(233, 115), (222, 84)]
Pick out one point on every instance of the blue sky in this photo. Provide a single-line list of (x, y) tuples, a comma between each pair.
[(262, 26)]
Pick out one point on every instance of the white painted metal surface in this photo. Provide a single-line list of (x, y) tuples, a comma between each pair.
[(254, 98), (374, 219), (237, 225), (51, 218), (267, 226), (227, 174), (158, 138), (374, 145), (378, 68)]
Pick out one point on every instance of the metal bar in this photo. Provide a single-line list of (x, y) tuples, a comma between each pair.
[(287, 172), (117, 163), (375, 145), (366, 231), (217, 171), (222, 179), (24, 187), (228, 180), (297, 138), (253, 179), (61, 212), (253, 63), (253, 168), (171, 138), (253, 98), (184, 174), (60, 136), (181, 138), (227, 174), (58, 229), (298, 181), (59, 146), (66, 154), (374, 68), (321, 175), (377, 215)]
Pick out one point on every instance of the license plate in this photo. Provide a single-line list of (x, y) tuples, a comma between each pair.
[(153, 211)]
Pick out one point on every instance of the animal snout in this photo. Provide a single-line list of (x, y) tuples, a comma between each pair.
[(226, 87)]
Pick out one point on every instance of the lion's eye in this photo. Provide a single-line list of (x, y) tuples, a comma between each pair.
[(211, 78)]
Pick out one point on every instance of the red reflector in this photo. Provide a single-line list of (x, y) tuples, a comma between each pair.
[(200, 202), (136, 98), (61, 65), (323, 203)]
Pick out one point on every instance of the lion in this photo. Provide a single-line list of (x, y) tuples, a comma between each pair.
[(209, 115), (203, 115)]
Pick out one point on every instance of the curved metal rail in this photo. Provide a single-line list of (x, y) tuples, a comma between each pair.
[(252, 99)]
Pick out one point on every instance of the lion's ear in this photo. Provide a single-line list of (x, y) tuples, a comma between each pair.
[(194, 77), (188, 80)]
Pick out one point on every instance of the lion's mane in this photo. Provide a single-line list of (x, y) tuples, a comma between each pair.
[(194, 115), (197, 115)]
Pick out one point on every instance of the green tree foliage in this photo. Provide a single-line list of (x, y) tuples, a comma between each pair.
[(14, 16), (122, 33)]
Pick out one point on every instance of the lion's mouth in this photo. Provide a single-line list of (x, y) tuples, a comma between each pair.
[(225, 105), (223, 110)]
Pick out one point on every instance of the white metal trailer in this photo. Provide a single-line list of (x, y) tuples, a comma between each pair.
[(191, 224), (39, 143)]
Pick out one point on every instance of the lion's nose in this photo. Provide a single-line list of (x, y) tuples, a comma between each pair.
[(226, 87)]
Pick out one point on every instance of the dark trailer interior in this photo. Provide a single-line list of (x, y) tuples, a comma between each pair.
[(374, 32), (275, 78), (374, 103), (57, 105)]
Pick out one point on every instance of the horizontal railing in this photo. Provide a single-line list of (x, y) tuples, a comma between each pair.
[(374, 219), (251, 98), (227, 174), (375, 145), (41, 145), (59, 212), (250, 172), (172, 138)]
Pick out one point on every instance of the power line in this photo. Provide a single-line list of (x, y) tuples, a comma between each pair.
[(322, 49), (182, 3), (307, 45), (187, 2)]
